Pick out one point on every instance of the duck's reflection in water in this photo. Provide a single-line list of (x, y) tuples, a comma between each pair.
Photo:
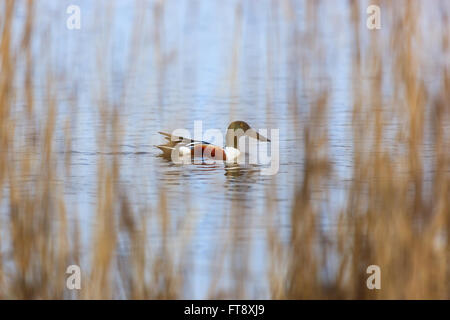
[(240, 180)]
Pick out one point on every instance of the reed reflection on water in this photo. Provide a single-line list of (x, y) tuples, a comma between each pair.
[(364, 125)]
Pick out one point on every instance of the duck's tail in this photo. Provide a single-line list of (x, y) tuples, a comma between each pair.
[(166, 149)]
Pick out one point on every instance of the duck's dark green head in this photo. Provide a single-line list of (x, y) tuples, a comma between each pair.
[(241, 127), (236, 125)]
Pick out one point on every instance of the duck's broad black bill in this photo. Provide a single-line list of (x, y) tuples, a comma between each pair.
[(254, 134)]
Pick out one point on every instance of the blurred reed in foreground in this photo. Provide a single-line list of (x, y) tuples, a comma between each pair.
[(393, 217)]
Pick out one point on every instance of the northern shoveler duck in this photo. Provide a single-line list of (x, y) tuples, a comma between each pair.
[(192, 147)]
